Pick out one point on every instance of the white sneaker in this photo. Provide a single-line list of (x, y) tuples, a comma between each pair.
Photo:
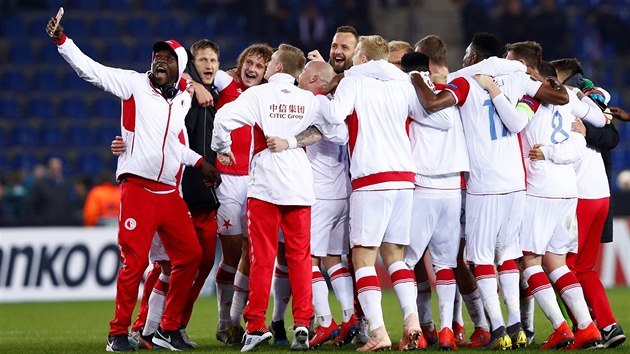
[(134, 338), (300, 338), (253, 341), (186, 338)]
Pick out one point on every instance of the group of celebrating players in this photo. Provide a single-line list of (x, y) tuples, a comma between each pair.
[(297, 165)]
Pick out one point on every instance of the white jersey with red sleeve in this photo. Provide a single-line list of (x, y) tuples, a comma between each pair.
[(496, 162), (376, 110), (281, 109), (151, 125), (550, 126)]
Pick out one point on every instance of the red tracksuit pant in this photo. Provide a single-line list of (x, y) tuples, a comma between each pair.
[(264, 220), (591, 215), (205, 222), (142, 213)]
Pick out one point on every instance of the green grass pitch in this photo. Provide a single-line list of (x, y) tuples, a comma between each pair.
[(81, 327)]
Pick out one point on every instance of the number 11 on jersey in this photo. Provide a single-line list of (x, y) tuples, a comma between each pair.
[(491, 114)]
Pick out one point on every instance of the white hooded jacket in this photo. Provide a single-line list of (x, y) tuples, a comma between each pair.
[(152, 126)]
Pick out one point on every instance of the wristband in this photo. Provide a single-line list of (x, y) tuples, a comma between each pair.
[(292, 142)]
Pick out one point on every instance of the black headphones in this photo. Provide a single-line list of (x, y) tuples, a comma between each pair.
[(167, 91)]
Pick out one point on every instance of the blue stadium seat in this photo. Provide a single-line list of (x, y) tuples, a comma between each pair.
[(10, 108), (119, 5), (14, 27), (107, 107), (24, 161), (15, 81), (87, 5), (76, 27), (72, 81), (90, 164), (43, 108), (156, 5), (5, 167), (105, 27), (53, 136), (170, 27), (201, 27), (138, 27), (75, 108), (4, 138), (23, 53), (117, 54), (105, 134), (46, 80), (25, 136), (80, 136)]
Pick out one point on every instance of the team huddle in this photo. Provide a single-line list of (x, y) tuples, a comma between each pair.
[(295, 166)]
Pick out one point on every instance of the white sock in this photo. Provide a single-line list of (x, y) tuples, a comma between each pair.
[(404, 285), (157, 301), (320, 298), (527, 306), (457, 307), (225, 293), (487, 285), (241, 292), (474, 305), (571, 292), (341, 282), (281, 292), (424, 302), (544, 294), (509, 280), (445, 288), (369, 293)]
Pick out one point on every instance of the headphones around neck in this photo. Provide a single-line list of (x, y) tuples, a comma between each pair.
[(168, 91)]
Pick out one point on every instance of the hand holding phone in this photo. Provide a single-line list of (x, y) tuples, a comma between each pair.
[(53, 25)]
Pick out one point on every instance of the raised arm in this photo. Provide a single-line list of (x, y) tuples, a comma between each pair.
[(115, 81), (428, 99)]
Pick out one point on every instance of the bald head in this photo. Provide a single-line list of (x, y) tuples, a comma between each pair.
[(316, 76)]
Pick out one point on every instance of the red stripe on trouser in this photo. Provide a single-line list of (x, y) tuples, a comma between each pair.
[(142, 213), (205, 223), (508, 266), (591, 215), (566, 282), (264, 222), (141, 318), (369, 282), (537, 282)]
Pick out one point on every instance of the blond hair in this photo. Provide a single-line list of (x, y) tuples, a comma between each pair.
[(396, 45), (292, 59), (374, 47)]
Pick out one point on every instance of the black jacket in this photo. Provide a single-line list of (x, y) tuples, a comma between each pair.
[(199, 124)]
